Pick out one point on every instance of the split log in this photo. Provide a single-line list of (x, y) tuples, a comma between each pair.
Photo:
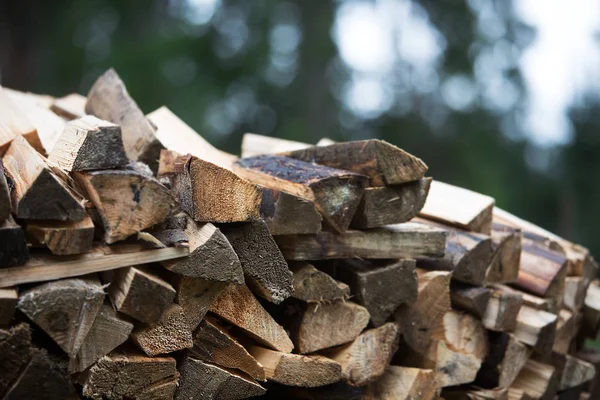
[(239, 307), (591, 307), (286, 214), (88, 144), (536, 328), (70, 107), (403, 383), (264, 267), (575, 291), (256, 145), (505, 359), (38, 193), (296, 369), (108, 99), (572, 371), (64, 309), (126, 201), (459, 207), (15, 354), (566, 330), (388, 205), (408, 240), (506, 243), (537, 380), (367, 357), (5, 204), (8, 302), (63, 237), (335, 193), (382, 162), (470, 298), (502, 310), (14, 123), (312, 285), (195, 296), (13, 247), (321, 326)]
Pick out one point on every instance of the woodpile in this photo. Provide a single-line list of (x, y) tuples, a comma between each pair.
[(137, 261)]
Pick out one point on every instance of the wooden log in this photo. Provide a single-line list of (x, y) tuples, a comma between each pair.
[(403, 383), (286, 214), (297, 370), (502, 310), (382, 162), (575, 291), (88, 144), (13, 247), (38, 193), (126, 201), (264, 267), (567, 327), (537, 380), (505, 359), (536, 302), (64, 309), (572, 371), (5, 204), (536, 328), (108, 99), (388, 205), (336, 391), (15, 354), (313, 285), (201, 380), (256, 145), (14, 123), (8, 303), (408, 240), (63, 237), (367, 357), (469, 298), (591, 307), (164, 390), (506, 243), (70, 107), (195, 296), (136, 292), (335, 193), (321, 326), (239, 307)]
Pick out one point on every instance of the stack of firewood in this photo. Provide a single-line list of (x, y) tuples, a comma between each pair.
[(140, 262)]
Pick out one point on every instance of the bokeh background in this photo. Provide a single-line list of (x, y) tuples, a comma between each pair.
[(499, 96)]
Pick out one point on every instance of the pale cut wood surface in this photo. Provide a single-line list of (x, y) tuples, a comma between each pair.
[(255, 145), (537, 380), (403, 383), (13, 123), (536, 328), (70, 106)]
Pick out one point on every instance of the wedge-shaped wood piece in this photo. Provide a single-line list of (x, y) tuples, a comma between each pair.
[(256, 145), (320, 326), (15, 353), (502, 310), (13, 246), (126, 375), (201, 380), (64, 309), (313, 285), (127, 202), (139, 294), (470, 298), (108, 99), (536, 328), (70, 107), (286, 214), (403, 383), (591, 307), (533, 301), (238, 306), (108, 331), (573, 371), (537, 380), (505, 358), (5, 205), (506, 242), (388, 205), (38, 193), (170, 333), (382, 162), (296, 369), (264, 267), (408, 240), (567, 328), (14, 123), (195, 296), (8, 303), (542, 271), (459, 207), (87, 144), (367, 357), (575, 291), (63, 237)]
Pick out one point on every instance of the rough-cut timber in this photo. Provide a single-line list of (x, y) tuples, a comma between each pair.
[(459, 207), (8, 303), (408, 240), (382, 162), (286, 214), (127, 202), (15, 353), (542, 271), (536, 328), (403, 383), (473, 299), (366, 358), (14, 123), (296, 369), (506, 242), (108, 99), (320, 326), (38, 193), (170, 333), (335, 193), (537, 380), (387, 205), (506, 356), (70, 107), (5, 205), (239, 307), (567, 327), (63, 237), (313, 285), (64, 309), (502, 310), (195, 296), (13, 247), (264, 267), (255, 145)]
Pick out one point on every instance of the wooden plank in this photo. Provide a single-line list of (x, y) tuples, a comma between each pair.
[(14, 123), (70, 107), (502, 310), (5, 202), (537, 380), (313, 285), (286, 214), (536, 328), (13, 246), (470, 298), (403, 383), (505, 359), (256, 145), (63, 237), (8, 303)]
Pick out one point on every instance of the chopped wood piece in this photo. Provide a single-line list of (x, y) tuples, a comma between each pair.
[(195, 296), (403, 383), (164, 390), (505, 358), (335, 193), (542, 271), (125, 375), (108, 331), (8, 302), (312, 285), (71, 106), (14, 123), (89, 144), (536, 328), (15, 353), (387, 205), (459, 207), (296, 369), (139, 294), (382, 162), (502, 310), (264, 267), (575, 291), (537, 380), (408, 240), (170, 333), (38, 192), (330, 324), (64, 309), (5, 204), (286, 214), (63, 237), (13, 247), (336, 391), (530, 300), (256, 145), (239, 307), (573, 371), (201, 380), (506, 242), (28, 99), (366, 358), (566, 330), (470, 298), (48, 125), (591, 307), (108, 99), (127, 202)]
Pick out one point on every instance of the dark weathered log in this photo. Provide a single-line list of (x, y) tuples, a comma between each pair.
[(5, 204), (536, 328), (13, 247), (470, 298), (63, 237), (8, 303), (286, 214), (170, 333), (506, 356), (15, 353), (313, 285), (502, 310), (195, 296)]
